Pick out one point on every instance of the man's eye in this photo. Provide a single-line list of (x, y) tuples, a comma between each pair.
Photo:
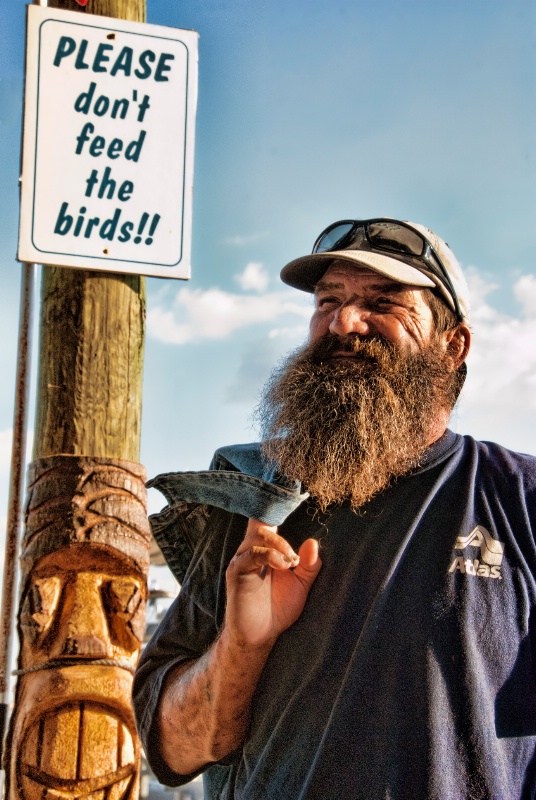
[(384, 301), (322, 301)]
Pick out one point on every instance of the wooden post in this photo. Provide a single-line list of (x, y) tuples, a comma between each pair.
[(85, 551)]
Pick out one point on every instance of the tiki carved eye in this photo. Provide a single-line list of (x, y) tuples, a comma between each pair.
[(126, 605), (40, 605)]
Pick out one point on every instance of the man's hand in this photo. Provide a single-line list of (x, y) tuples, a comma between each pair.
[(205, 706), (267, 585)]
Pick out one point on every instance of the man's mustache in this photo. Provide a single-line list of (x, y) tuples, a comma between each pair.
[(369, 347)]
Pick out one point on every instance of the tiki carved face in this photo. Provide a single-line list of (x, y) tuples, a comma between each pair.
[(83, 602), (81, 623)]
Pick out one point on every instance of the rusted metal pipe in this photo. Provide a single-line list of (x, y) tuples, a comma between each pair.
[(16, 490)]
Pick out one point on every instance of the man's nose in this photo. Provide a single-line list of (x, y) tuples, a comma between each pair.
[(350, 318)]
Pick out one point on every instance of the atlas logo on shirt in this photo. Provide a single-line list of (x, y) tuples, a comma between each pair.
[(491, 554)]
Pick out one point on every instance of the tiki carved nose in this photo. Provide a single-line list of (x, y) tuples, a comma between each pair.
[(84, 622)]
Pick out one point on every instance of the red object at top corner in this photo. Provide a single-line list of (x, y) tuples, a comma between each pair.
[(82, 2)]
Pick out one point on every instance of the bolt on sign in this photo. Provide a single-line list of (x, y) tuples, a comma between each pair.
[(109, 123)]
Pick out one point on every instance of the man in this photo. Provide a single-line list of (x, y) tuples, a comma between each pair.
[(373, 638)]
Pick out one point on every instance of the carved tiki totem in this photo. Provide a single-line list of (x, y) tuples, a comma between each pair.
[(81, 623)]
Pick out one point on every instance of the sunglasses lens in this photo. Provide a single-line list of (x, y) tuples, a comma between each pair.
[(332, 237), (396, 238)]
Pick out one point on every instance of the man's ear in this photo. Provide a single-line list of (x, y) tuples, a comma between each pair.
[(457, 344)]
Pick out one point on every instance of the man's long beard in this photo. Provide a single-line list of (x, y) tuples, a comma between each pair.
[(347, 427)]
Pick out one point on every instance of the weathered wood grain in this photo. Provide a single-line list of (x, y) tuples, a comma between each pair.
[(85, 551)]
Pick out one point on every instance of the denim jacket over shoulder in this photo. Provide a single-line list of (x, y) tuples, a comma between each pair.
[(239, 480)]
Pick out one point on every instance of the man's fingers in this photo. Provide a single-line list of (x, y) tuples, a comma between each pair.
[(262, 535), (256, 557), (264, 547), (310, 563)]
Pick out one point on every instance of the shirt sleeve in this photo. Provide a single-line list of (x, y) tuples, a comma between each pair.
[(189, 628)]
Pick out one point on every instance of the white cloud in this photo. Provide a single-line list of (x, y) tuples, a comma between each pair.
[(499, 399), (214, 314), (480, 286), (292, 334), (503, 362), (240, 240), (253, 278), (525, 292), (503, 353)]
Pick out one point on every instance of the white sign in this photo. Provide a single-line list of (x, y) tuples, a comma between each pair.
[(107, 169)]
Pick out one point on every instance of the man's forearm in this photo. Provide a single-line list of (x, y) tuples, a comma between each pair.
[(205, 707)]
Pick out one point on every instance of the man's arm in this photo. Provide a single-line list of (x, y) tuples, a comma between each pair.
[(205, 706)]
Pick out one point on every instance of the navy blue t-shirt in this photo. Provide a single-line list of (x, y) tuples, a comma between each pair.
[(411, 672)]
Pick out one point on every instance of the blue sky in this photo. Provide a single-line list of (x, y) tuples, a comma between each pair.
[(310, 112)]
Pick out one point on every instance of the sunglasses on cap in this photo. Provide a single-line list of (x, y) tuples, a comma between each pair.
[(391, 237)]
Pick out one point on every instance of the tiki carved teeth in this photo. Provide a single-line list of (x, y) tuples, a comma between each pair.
[(76, 751)]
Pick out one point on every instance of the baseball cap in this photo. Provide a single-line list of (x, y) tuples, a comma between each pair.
[(409, 253)]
